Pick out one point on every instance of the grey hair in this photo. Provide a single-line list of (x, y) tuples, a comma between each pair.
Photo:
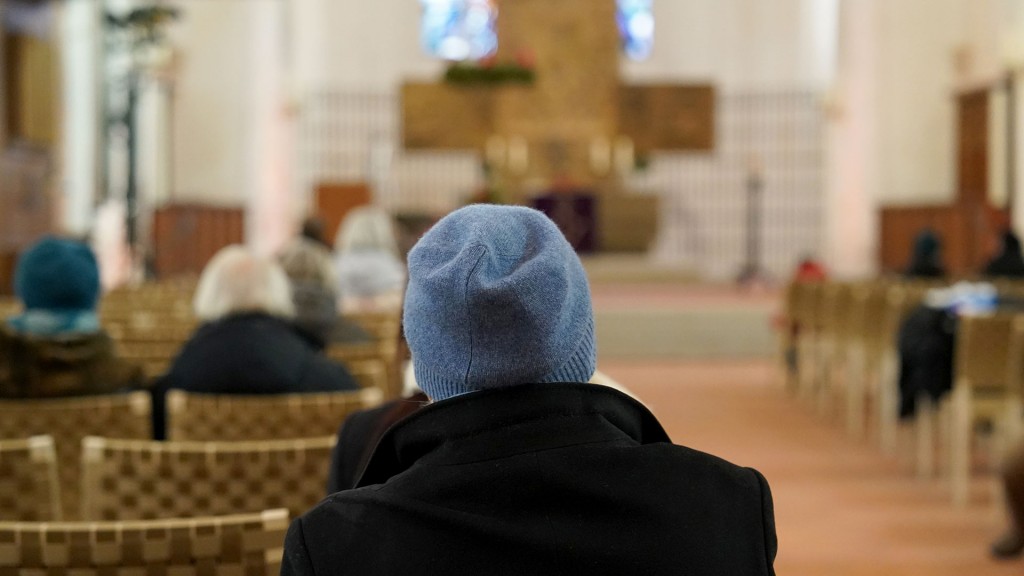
[(237, 280), (367, 228), (309, 262)]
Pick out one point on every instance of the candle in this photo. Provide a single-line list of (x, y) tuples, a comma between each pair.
[(625, 154), (518, 155), (496, 151), (600, 155)]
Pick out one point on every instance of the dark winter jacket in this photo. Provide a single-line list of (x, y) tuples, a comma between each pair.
[(538, 479)]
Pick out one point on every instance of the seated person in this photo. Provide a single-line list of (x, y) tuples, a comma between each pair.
[(247, 343), (518, 466), (371, 272), (1009, 263), (56, 346), (926, 260), (311, 274)]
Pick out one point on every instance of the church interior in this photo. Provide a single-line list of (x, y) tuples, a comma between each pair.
[(798, 221)]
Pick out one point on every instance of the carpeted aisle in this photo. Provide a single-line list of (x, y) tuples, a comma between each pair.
[(842, 508)]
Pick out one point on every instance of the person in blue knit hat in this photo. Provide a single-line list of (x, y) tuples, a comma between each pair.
[(518, 465), (55, 346)]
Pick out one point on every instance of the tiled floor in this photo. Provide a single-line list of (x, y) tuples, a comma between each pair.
[(841, 507)]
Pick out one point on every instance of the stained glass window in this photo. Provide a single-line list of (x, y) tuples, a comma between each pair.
[(459, 29), (636, 25)]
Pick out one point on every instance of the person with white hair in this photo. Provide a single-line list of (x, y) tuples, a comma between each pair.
[(247, 343), (371, 271)]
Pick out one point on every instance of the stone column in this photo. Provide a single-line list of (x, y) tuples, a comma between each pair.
[(269, 199), (79, 31), (851, 172)]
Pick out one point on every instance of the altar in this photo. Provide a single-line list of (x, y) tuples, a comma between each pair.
[(556, 127)]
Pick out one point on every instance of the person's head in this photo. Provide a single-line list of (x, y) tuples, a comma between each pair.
[(927, 246), (307, 262), (1011, 243), (236, 281), (57, 274), (313, 229), (367, 228), (497, 297)]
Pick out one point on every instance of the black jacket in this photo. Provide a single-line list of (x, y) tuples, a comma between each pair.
[(538, 479), (358, 436), (248, 354)]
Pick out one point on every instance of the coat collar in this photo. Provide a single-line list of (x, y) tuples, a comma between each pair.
[(497, 423)]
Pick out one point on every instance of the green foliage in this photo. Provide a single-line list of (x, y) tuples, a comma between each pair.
[(472, 74)]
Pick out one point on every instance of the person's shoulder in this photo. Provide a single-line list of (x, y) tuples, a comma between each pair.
[(702, 464)]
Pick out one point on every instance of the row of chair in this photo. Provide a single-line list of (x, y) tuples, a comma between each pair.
[(150, 322), (249, 544), (845, 336), (191, 417), (142, 480)]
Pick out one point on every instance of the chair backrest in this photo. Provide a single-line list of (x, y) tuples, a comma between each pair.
[(245, 544), (983, 350), (28, 480), (139, 480), (867, 316), (69, 420), (836, 299), (208, 417), (807, 310)]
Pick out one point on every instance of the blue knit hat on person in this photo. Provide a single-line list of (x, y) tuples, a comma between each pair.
[(57, 274), (497, 297)]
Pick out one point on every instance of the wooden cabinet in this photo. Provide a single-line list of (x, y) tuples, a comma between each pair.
[(186, 236)]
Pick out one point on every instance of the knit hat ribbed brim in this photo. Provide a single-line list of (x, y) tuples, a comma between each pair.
[(497, 297)]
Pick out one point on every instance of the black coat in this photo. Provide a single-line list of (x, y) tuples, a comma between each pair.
[(358, 436), (538, 479), (248, 354)]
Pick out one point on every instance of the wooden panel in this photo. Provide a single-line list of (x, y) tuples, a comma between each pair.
[(437, 115), (30, 78), (335, 199), (27, 207), (668, 117), (966, 231), (972, 146), (186, 236)]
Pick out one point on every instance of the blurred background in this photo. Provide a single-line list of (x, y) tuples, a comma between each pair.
[(700, 155)]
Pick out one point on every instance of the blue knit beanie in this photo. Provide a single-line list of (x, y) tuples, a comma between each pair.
[(57, 274), (497, 297)]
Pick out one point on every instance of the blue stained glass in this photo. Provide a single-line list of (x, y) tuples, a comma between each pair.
[(459, 29), (636, 26)]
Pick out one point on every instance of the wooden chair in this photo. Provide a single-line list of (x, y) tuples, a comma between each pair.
[(789, 330), (206, 417), (245, 544), (808, 317), (69, 420), (386, 329), (900, 299), (28, 480), (868, 339), (139, 480), (980, 389), (833, 338)]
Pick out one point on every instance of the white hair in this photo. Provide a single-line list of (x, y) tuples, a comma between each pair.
[(367, 228), (237, 280)]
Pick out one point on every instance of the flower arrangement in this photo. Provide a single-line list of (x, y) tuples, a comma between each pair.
[(489, 71)]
